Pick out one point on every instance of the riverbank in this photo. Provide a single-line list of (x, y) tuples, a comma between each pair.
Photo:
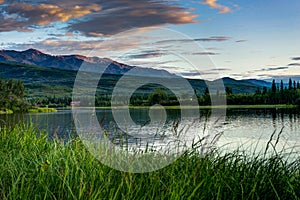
[(267, 106), (31, 110), (41, 110), (38, 168), (6, 111)]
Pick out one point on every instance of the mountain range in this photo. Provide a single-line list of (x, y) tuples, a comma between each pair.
[(47, 75), (74, 62)]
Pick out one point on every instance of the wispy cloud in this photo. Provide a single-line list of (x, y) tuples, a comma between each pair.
[(296, 58), (238, 41), (196, 73), (208, 39), (127, 14), (99, 47), (205, 53), (95, 18), (214, 39), (24, 16), (276, 68), (294, 64), (146, 54), (213, 4), (269, 69)]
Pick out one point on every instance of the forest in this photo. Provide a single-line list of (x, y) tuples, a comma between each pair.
[(13, 97), (277, 94)]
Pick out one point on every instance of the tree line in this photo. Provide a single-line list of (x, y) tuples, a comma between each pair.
[(278, 93)]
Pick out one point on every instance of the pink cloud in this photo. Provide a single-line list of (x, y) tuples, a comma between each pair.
[(215, 5)]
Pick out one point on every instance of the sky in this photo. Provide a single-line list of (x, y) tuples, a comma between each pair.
[(193, 38)]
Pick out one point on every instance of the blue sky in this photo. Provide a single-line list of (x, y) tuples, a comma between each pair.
[(197, 39)]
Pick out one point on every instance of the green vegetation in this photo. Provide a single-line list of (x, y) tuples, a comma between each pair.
[(41, 110), (11, 96), (275, 95), (33, 167), (53, 88), (6, 111)]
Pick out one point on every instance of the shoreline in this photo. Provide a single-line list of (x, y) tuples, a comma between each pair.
[(277, 106), (31, 110)]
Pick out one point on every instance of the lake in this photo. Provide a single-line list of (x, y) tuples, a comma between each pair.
[(247, 129)]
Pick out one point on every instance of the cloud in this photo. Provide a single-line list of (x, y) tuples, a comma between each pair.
[(95, 18), (213, 39), (205, 53), (276, 68), (151, 63), (215, 5), (209, 39), (221, 69), (269, 69), (9, 24), (99, 47), (24, 16), (196, 73), (124, 15), (145, 54), (238, 41), (296, 58), (294, 64)]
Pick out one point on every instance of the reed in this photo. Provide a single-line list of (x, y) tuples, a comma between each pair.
[(32, 166)]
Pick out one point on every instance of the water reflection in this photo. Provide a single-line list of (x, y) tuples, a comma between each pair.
[(244, 128)]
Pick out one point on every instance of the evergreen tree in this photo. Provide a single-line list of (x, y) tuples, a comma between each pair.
[(281, 85), (258, 92), (273, 86), (228, 90), (206, 92), (264, 90), (290, 84)]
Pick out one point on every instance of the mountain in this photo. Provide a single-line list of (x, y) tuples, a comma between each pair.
[(284, 78), (42, 81), (48, 75), (261, 83), (74, 62), (242, 86)]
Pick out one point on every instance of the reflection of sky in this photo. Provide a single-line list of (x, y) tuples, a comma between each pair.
[(261, 37)]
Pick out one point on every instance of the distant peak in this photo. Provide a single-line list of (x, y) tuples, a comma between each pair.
[(227, 78), (32, 51)]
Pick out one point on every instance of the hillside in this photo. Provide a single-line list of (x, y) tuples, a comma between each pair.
[(74, 62), (42, 81)]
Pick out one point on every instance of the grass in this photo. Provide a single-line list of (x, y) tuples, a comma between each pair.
[(41, 110), (34, 167), (6, 111), (31, 110)]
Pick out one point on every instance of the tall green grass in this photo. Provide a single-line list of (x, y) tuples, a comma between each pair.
[(34, 167)]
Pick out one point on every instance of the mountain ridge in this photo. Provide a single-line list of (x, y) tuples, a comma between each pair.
[(29, 66), (74, 62)]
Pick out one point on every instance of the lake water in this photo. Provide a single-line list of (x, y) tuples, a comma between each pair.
[(247, 129)]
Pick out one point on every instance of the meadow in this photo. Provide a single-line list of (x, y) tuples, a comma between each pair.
[(36, 166)]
